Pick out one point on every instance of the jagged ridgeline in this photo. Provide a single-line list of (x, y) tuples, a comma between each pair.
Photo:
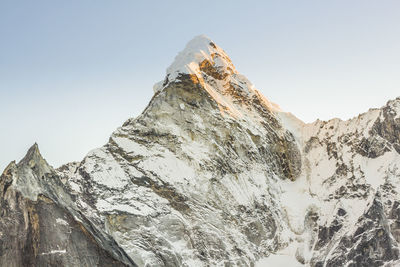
[(212, 174)]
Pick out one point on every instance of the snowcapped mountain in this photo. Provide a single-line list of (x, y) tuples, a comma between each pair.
[(213, 174)]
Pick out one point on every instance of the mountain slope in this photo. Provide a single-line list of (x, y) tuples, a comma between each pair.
[(212, 173)]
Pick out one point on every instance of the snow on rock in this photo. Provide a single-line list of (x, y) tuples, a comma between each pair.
[(199, 49), (213, 68), (54, 252), (394, 106), (283, 258), (62, 221), (218, 174), (105, 170), (214, 174)]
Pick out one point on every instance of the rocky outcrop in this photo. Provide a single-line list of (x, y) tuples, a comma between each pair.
[(37, 230), (388, 125)]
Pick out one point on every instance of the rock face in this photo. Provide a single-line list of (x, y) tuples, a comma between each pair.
[(212, 174), (38, 228)]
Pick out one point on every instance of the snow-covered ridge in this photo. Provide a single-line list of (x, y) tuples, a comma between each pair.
[(347, 167), (360, 124)]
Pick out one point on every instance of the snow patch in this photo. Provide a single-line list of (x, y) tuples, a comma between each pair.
[(54, 252), (104, 170), (62, 222)]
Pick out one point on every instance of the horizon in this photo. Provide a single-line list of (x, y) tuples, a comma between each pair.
[(70, 74)]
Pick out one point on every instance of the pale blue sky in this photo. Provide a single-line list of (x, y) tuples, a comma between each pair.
[(73, 71)]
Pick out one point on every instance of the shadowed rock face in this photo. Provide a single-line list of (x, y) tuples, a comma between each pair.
[(212, 174), (371, 243), (385, 133)]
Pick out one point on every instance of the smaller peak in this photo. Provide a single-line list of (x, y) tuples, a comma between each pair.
[(34, 148), (33, 153), (35, 161), (30, 172)]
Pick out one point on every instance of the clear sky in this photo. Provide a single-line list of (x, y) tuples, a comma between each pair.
[(73, 71)]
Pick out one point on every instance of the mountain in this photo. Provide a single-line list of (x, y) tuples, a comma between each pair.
[(212, 174)]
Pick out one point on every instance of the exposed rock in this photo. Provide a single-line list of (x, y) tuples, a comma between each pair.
[(36, 230)]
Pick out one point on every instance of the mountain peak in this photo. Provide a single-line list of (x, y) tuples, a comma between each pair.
[(203, 65), (200, 55), (33, 155)]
